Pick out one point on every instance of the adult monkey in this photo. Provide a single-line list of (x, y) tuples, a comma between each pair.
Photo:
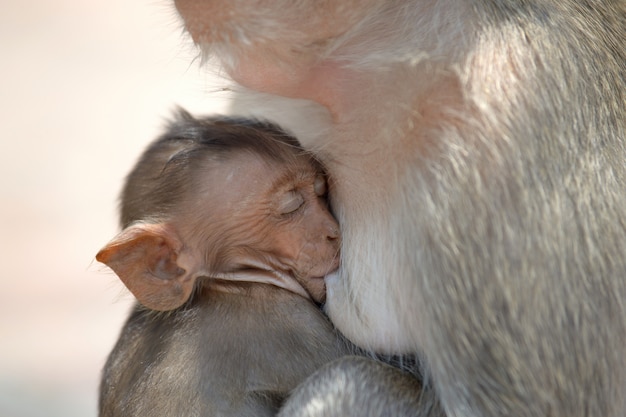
[(478, 150)]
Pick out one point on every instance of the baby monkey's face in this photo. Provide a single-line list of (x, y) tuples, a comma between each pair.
[(276, 222)]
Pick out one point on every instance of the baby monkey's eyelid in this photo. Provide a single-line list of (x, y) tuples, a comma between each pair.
[(291, 202)]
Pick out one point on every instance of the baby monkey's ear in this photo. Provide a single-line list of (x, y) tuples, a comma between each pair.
[(145, 257)]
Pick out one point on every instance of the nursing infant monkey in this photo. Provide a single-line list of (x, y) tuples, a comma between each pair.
[(478, 155), (226, 229)]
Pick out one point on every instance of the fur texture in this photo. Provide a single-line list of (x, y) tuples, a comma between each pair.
[(477, 150)]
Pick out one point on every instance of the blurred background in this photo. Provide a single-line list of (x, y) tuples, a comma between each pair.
[(84, 86)]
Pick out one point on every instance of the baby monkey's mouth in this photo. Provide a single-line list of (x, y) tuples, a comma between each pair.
[(332, 276), (315, 283)]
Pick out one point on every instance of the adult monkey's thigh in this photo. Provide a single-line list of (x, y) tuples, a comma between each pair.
[(477, 150)]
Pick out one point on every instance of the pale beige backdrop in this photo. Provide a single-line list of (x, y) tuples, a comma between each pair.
[(84, 85)]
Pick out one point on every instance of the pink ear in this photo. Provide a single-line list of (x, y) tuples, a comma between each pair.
[(144, 256)]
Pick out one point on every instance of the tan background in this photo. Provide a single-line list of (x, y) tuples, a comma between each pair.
[(84, 85)]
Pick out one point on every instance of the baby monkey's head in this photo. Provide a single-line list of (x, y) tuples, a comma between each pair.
[(223, 199)]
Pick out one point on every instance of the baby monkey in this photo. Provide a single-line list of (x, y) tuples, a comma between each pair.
[(226, 227)]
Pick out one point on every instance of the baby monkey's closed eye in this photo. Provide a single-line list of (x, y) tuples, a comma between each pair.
[(290, 202)]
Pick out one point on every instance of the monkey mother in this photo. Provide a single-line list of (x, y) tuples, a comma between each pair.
[(478, 154)]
